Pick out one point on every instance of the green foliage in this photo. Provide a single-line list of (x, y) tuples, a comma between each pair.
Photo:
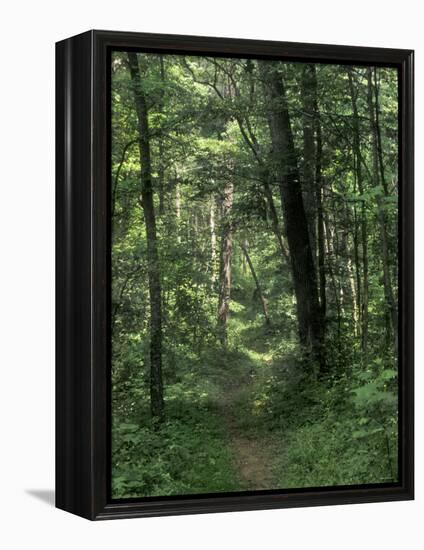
[(252, 413), (184, 455), (345, 435)]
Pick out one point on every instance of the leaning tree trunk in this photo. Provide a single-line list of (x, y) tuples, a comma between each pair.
[(311, 328), (156, 384), (225, 263), (243, 246), (266, 178)]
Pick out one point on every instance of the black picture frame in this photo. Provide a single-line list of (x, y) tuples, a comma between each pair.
[(82, 274)]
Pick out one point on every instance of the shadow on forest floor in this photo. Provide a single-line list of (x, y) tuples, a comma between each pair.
[(251, 444)]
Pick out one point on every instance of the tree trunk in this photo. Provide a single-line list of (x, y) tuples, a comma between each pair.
[(178, 209), (312, 138), (243, 246), (378, 177), (364, 228), (357, 263), (225, 263), (212, 229), (329, 236), (353, 293), (275, 225), (308, 92), (153, 267), (311, 330), (161, 167), (320, 218)]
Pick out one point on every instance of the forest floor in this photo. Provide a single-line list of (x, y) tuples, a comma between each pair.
[(252, 446), (238, 422), (252, 450)]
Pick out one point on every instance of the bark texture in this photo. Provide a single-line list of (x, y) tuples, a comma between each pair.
[(313, 181), (358, 161), (225, 262), (378, 177), (285, 165), (153, 267)]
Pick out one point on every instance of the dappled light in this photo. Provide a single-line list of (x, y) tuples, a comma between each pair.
[(254, 275)]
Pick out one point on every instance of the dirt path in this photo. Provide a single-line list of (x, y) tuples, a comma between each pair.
[(253, 451)]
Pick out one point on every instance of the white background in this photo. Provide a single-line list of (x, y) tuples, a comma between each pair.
[(28, 32)]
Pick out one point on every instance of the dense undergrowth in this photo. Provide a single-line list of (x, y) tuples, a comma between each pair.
[(340, 431), (254, 274)]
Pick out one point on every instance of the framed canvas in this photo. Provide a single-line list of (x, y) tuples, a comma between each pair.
[(234, 274)]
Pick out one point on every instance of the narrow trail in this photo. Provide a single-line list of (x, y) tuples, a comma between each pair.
[(253, 449)]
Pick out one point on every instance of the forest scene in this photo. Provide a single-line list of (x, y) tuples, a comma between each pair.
[(254, 274)]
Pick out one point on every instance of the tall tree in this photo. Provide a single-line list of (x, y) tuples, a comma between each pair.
[(308, 93), (285, 164), (161, 148), (226, 204), (358, 162), (212, 229), (153, 265), (313, 184), (378, 178)]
